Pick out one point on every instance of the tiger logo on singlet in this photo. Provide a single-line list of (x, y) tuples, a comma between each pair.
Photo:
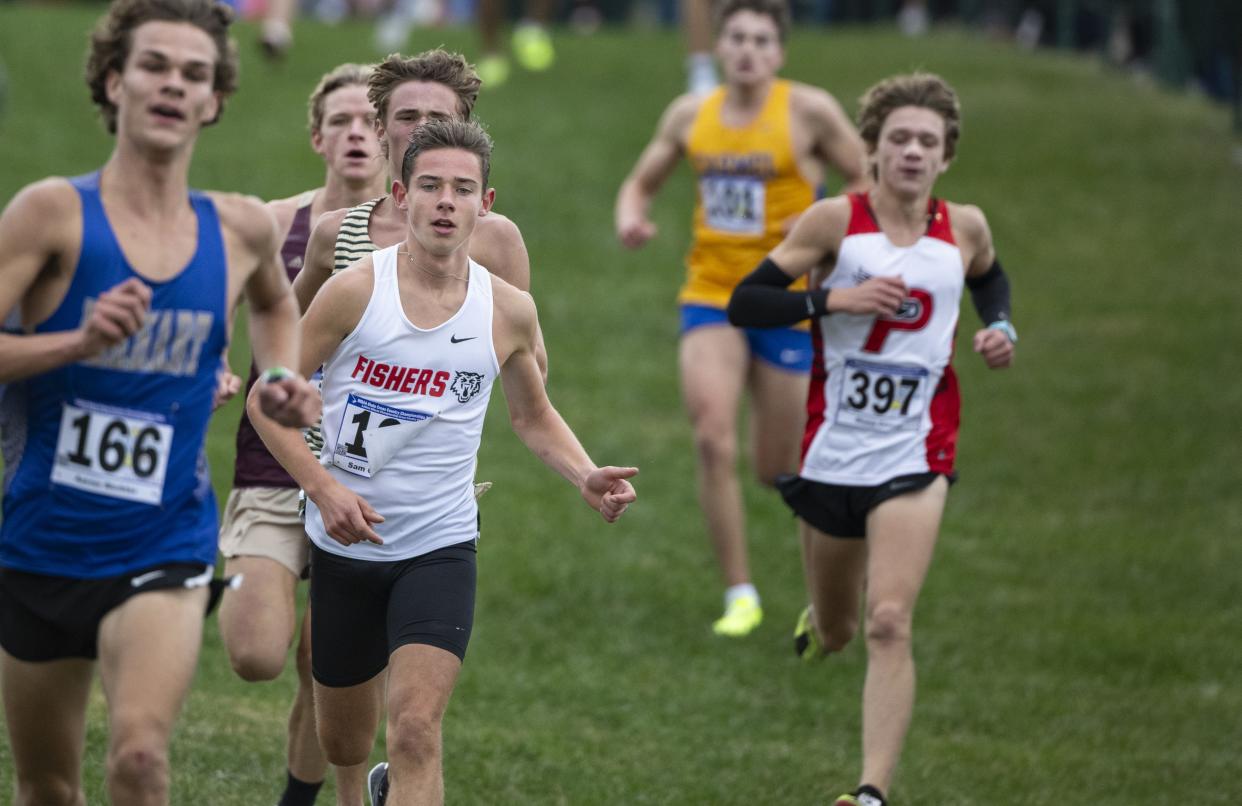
[(466, 385)]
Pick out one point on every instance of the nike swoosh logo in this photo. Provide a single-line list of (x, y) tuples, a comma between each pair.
[(456, 340), (143, 579)]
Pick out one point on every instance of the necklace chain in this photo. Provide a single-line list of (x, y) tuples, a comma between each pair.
[(434, 274)]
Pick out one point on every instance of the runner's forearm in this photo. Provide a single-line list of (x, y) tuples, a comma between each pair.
[(22, 356), (274, 334), (550, 438), (287, 446)]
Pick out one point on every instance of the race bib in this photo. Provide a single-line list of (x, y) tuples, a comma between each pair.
[(882, 397), (733, 204), (371, 433), (117, 452)]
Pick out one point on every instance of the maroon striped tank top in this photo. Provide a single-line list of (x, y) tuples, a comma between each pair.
[(255, 465)]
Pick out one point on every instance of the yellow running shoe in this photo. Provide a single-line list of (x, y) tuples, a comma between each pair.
[(861, 797), (806, 641), (493, 70), (740, 618), (533, 47)]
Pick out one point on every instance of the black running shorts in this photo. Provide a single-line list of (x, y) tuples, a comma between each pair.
[(46, 618), (362, 610), (841, 510)]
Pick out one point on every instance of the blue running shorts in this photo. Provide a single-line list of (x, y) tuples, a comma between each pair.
[(783, 347)]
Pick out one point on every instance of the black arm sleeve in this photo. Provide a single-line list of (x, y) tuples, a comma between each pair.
[(762, 299), (990, 293)]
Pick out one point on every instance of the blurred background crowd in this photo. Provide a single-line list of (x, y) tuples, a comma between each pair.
[(1190, 44)]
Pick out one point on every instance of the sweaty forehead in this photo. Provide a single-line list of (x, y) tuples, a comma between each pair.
[(423, 96), (176, 41)]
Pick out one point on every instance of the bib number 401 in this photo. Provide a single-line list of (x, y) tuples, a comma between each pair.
[(733, 204)]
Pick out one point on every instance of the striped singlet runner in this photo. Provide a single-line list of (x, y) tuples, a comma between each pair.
[(353, 243)]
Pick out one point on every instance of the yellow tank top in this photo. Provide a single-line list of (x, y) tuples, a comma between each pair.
[(749, 185)]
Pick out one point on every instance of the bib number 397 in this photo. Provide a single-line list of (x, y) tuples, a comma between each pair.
[(882, 397), (120, 453)]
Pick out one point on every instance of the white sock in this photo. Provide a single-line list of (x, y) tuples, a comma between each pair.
[(735, 592)]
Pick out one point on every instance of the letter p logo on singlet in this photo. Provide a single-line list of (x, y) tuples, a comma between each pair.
[(914, 314)]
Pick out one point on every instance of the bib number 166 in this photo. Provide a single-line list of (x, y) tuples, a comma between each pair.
[(119, 453)]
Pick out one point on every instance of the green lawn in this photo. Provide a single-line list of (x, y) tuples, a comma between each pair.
[(1075, 631)]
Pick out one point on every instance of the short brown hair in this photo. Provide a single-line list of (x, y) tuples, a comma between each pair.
[(344, 75), (778, 10), (436, 134), (926, 90), (437, 66), (111, 40)]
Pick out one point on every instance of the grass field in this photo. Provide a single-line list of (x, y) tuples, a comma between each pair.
[(1075, 635)]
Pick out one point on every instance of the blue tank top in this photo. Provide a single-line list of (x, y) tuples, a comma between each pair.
[(104, 459)]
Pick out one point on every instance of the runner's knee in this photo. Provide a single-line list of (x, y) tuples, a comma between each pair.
[(888, 623), (344, 744), (256, 663), (139, 763), (715, 446), (344, 750), (413, 736)]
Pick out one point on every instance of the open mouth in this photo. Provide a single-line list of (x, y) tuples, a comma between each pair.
[(167, 112), (443, 224), (356, 154)]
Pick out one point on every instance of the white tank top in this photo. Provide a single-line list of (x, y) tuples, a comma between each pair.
[(403, 413), (884, 399)]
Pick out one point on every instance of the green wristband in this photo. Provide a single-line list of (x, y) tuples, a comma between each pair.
[(276, 374)]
